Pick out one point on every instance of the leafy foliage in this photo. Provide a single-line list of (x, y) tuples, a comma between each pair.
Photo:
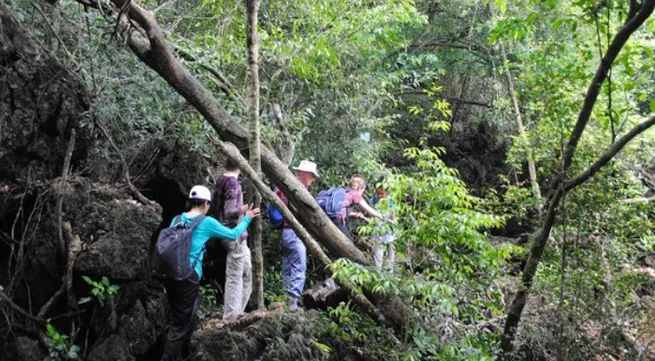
[(101, 290), (59, 348)]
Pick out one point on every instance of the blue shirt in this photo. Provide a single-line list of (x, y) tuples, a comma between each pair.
[(209, 228)]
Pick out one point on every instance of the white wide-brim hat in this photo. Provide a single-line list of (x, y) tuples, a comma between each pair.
[(307, 166)]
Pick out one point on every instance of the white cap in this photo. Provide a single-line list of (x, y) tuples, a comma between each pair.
[(307, 166), (200, 192)]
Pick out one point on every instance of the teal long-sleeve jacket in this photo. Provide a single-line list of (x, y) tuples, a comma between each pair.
[(209, 228)]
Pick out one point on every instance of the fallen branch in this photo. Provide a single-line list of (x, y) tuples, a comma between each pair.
[(5, 299), (74, 247), (153, 50)]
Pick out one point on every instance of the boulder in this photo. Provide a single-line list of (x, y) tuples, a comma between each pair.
[(40, 102), (275, 336), (114, 348), (117, 231)]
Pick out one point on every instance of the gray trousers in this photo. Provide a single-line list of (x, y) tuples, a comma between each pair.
[(379, 250), (238, 279)]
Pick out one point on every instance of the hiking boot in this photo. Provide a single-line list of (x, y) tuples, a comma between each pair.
[(293, 304)]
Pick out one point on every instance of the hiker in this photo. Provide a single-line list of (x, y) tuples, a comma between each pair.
[(294, 259), (183, 294), (356, 188), (238, 269), (384, 242)]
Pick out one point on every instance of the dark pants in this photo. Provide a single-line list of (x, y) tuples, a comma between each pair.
[(343, 227), (183, 301)]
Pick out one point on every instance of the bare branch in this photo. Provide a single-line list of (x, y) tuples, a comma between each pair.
[(5, 299), (60, 198), (609, 154), (126, 169), (74, 247)]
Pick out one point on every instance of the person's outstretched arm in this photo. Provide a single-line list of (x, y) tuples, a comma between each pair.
[(220, 231), (369, 210)]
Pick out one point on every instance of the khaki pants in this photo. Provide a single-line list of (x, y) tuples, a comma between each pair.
[(238, 279)]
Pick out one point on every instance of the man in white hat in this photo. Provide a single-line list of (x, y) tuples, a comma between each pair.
[(294, 260), (183, 295)]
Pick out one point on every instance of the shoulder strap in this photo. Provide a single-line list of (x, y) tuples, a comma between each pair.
[(195, 223)]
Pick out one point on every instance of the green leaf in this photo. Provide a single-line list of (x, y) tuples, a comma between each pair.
[(501, 5), (50, 330), (323, 347), (652, 105), (88, 280)]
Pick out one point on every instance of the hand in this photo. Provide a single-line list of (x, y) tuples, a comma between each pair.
[(243, 209), (390, 219), (252, 212), (359, 215)]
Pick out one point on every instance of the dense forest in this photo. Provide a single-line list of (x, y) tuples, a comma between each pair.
[(514, 139)]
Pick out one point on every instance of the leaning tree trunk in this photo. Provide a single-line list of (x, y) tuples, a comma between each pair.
[(561, 185), (252, 9)]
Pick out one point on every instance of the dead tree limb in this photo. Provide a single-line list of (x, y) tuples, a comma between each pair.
[(559, 183), (146, 39), (74, 247)]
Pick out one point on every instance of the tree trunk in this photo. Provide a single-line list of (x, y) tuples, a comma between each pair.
[(284, 145), (560, 185), (532, 168), (255, 234)]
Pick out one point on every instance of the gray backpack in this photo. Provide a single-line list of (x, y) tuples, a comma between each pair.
[(171, 257)]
